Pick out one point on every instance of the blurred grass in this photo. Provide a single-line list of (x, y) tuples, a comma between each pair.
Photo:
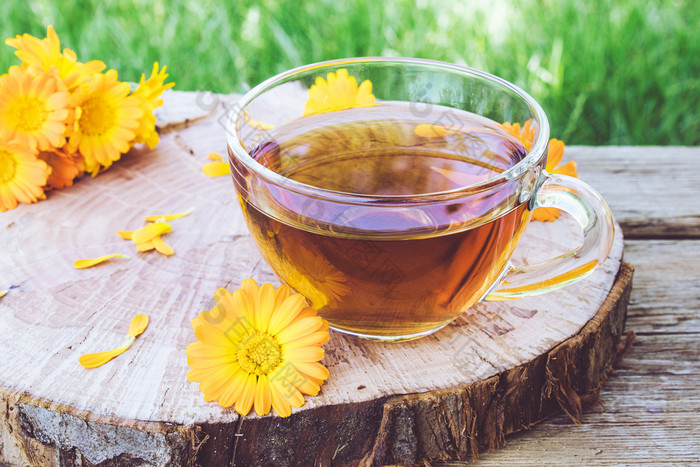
[(605, 71)]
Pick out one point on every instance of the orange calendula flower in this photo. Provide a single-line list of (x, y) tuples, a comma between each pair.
[(338, 93), (526, 135), (148, 94), (259, 347), (88, 263), (33, 109), (106, 119), (554, 157), (64, 168), (139, 323), (22, 176), (41, 55)]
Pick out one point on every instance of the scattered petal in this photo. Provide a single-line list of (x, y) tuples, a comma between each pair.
[(162, 247), (3, 293), (125, 234), (215, 157), (169, 217), (93, 360), (216, 169), (147, 246), (88, 263), (138, 324), (150, 231)]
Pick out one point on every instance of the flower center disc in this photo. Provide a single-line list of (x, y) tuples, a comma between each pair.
[(8, 166), (28, 113), (97, 117), (259, 353)]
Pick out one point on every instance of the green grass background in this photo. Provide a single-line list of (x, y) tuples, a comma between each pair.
[(605, 71)]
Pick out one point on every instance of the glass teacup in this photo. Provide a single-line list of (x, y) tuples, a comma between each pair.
[(392, 192)]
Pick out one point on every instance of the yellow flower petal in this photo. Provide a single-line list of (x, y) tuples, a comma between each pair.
[(125, 234), (87, 263), (555, 154), (215, 157), (93, 360), (169, 217), (298, 328), (3, 293), (314, 339), (304, 384), (148, 246), (139, 323), (263, 396), (279, 402), (312, 369), (216, 169), (305, 354), (162, 247), (245, 401), (567, 169), (286, 389), (286, 312), (266, 307), (216, 381), (150, 231), (233, 390)]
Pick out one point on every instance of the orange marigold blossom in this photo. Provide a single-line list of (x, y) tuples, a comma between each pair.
[(65, 168), (338, 93), (33, 109), (258, 347), (526, 135), (22, 175), (138, 325)]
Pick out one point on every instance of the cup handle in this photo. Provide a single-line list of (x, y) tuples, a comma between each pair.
[(593, 215)]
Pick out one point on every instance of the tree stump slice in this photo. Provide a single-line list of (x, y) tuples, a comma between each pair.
[(499, 368)]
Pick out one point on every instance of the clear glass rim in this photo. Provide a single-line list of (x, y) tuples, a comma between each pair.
[(532, 158)]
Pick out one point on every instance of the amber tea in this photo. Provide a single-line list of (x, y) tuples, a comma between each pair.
[(400, 271)]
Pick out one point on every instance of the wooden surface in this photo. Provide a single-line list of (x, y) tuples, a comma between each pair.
[(191, 151)]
